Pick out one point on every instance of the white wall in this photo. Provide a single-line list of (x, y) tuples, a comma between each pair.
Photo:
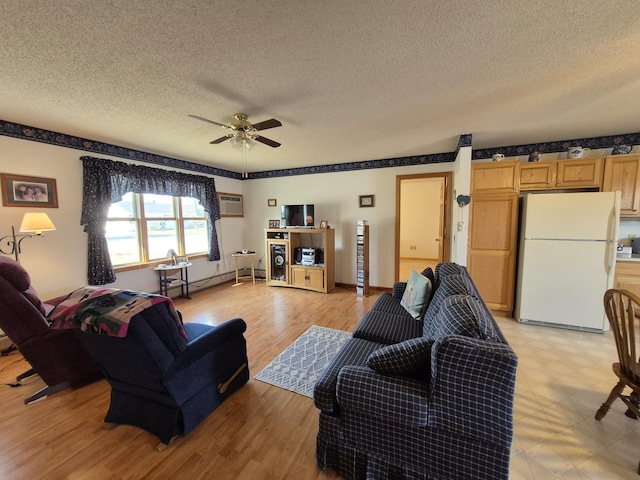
[(335, 196), (57, 262), (460, 215)]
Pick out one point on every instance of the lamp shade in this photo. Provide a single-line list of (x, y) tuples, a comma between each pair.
[(36, 222)]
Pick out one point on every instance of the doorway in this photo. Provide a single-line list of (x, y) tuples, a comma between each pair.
[(422, 222)]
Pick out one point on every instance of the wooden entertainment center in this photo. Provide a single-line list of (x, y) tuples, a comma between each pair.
[(315, 272)]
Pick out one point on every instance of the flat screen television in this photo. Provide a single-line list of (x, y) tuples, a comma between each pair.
[(296, 216)]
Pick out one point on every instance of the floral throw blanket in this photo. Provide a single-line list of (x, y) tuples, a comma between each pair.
[(106, 311)]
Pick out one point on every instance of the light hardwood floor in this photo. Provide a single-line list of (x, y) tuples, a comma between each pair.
[(260, 432), (264, 432)]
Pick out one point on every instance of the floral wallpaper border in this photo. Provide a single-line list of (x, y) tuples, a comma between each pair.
[(34, 134)]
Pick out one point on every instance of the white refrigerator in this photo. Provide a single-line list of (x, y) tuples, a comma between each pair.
[(567, 257)]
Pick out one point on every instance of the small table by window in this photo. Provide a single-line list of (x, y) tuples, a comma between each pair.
[(238, 256), (173, 281)]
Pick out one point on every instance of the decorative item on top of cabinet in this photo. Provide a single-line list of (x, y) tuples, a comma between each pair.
[(622, 172), (495, 177)]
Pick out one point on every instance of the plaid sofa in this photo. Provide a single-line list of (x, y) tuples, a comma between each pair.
[(420, 399)]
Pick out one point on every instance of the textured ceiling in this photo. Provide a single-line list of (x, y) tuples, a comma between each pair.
[(349, 81)]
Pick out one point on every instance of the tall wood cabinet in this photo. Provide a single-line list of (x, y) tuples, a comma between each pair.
[(493, 223), (284, 270)]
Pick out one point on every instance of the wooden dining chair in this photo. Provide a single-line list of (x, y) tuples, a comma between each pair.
[(623, 309)]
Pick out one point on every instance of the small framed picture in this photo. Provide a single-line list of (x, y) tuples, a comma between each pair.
[(23, 191), (324, 224), (182, 260), (274, 223), (272, 202), (366, 201)]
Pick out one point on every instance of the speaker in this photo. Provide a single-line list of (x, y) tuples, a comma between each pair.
[(297, 256), (319, 256), (278, 262)]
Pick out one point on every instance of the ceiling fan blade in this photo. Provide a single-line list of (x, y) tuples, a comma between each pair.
[(271, 123), (221, 139), (209, 121), (266, 141)]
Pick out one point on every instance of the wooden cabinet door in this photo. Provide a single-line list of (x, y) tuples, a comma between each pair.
[(622, 173), (627, 276), (306, 277), (278, 262), (495, 177), (537, 175), (491, 257), (585, 172)]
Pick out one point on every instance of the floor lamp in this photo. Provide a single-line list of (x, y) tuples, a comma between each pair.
[(32, 224)]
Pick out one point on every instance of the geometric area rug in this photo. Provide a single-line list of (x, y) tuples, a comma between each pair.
[(298, 368)]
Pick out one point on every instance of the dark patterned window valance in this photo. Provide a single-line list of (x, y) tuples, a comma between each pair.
[(106, 181)]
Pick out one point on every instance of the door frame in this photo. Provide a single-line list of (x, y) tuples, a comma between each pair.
[(445, 214)]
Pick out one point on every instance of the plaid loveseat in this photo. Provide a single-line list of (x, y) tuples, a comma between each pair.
[(420, 399)]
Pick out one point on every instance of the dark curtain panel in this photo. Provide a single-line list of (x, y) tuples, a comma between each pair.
[(106, 181)]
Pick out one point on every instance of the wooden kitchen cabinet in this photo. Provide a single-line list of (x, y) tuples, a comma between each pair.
[(495, 177), (311, 278), (627, 276), (537, 175), (578, 173), (491, 257), (622, 172)]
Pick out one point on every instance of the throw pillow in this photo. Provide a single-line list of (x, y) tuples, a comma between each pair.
[(405, 358), (416, 295)]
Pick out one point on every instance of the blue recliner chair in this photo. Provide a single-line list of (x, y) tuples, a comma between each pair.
[(162, 382)]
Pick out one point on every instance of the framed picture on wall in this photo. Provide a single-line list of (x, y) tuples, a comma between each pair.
[(25, 191), (366, 201)]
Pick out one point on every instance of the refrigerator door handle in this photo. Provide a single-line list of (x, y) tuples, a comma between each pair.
[(615, 217)]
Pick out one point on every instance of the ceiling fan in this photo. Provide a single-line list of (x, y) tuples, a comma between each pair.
[(243, 130)]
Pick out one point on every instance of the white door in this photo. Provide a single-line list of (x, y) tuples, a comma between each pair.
[(563, 282)]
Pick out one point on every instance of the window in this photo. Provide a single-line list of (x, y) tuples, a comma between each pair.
[(143, 227)]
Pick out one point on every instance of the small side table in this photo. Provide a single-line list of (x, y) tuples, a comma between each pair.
[(237, 256), (167, 283)]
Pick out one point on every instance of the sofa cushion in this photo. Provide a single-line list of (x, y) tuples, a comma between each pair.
[(428, 272), (417, 294), (410, 357), (387, 303), (450, 285), (355, 351), (457, 316), (447, 268), (387, 328)]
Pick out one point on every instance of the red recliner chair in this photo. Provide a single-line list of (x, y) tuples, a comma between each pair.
[(56, 355)]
